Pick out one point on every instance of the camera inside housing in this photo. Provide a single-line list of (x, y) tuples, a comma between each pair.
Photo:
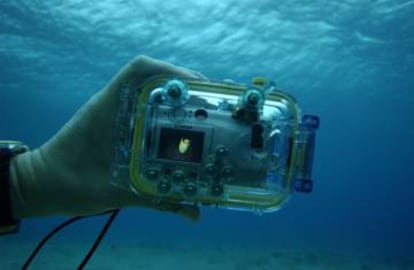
[(197, 144)]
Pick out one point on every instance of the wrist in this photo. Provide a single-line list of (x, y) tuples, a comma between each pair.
[(8, 219), (19, 174)]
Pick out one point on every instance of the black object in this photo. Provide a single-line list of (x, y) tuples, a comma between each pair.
[(8, 224), (99, 238), (201, 114), (256, 140), (311, 121), (246, 116), (303, 185), (95, 245)]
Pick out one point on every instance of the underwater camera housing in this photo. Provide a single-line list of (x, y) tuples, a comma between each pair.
[(229, 145)]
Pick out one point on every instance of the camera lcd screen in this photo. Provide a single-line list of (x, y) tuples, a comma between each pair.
[(181, 145)]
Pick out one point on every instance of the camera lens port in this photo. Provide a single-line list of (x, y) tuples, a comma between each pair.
[(201, 114)]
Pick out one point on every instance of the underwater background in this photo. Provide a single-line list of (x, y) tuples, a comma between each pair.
[(350, 62)]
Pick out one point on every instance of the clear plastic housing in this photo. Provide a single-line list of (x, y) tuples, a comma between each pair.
[(199, 142)]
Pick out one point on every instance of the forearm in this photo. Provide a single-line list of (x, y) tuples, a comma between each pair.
[(39, 188)]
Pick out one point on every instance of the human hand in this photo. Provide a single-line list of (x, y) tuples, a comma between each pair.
[(71, 173)]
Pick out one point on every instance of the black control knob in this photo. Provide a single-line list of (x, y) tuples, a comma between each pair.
[(178, 175), (221, 151), (227, 171), (210, 169), (253, 99), (190, 189), (174, 91), (164, 187), (152, 174), (217, 190)]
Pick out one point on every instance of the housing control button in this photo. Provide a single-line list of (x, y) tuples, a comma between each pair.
[(178, 175), (210, 169), (221, 151), (217, 190), (164, 187), (227, 171), (151, 174), (190, 189)]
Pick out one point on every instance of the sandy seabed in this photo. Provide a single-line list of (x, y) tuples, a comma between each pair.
[(152, 257)]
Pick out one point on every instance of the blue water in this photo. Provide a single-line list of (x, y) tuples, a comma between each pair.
[(350, 62)]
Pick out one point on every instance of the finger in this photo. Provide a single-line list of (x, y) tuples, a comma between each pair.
[(157, 67), (149, 67), (144, 67), (198, 74), (141, 68)]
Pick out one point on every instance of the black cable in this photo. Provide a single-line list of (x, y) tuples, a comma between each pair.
[(53, 232), (46, 238), (99, 238)]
